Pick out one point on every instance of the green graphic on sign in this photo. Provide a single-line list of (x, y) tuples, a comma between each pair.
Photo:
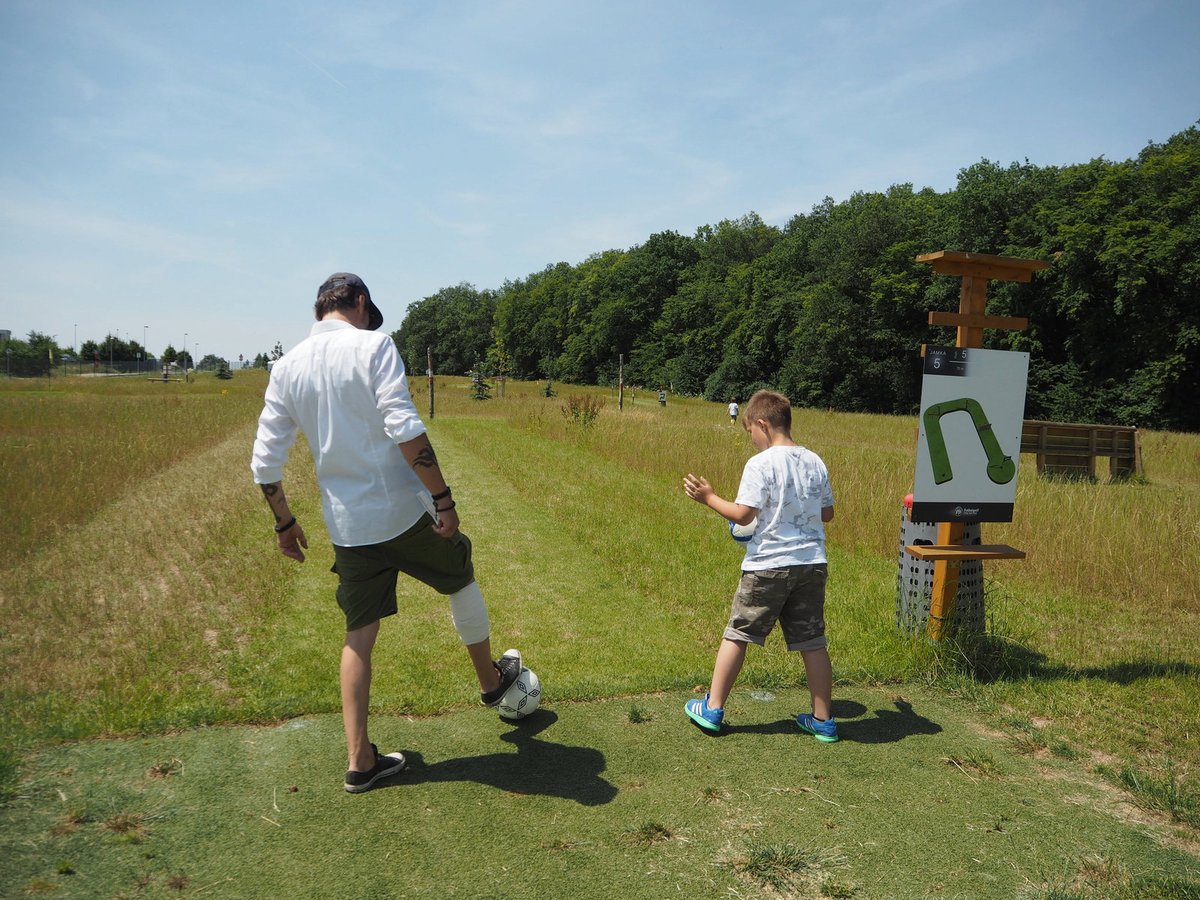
[(1000, 468)]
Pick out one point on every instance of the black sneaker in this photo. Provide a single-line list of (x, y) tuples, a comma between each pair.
[(357, 782), (509, 667)]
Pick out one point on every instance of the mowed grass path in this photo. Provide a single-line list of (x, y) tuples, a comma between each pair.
[(616, 798), (616, 588)]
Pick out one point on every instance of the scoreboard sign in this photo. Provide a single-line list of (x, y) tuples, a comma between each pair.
[(972, 408)]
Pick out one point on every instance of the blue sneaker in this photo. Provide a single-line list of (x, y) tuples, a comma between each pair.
[(709, 719), (823, 731)]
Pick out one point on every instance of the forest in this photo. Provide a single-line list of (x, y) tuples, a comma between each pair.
[(832, 308)]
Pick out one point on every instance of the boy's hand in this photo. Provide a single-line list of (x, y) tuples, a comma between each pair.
[(697, 488)]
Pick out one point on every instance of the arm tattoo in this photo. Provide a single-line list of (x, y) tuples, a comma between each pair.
[(270, 490), (426, 458)]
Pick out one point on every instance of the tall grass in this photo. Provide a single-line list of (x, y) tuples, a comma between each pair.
[(1134, 543), (114, 612), (71, 446)]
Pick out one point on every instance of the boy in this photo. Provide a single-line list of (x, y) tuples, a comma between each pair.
[(786, 488)]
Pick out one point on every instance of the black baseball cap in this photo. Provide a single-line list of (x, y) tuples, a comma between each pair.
[(338, 279)]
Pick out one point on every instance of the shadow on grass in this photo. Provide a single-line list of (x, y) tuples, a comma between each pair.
[(988, 659), (886, 726), (538, 766)]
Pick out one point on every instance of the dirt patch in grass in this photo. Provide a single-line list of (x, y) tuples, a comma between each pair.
[(1117, 803)]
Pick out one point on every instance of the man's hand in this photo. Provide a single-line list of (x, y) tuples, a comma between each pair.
[(446, 523), (419, 454), (697, 488), (291, 540)]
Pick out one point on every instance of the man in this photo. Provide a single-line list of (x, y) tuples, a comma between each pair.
[(344, 387)]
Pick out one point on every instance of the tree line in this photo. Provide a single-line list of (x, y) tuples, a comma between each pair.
[(39, 354), (831, 309)]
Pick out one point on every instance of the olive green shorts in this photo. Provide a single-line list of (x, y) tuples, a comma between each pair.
[(367, 575)]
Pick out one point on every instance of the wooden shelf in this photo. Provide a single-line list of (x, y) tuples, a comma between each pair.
[(960, 552)]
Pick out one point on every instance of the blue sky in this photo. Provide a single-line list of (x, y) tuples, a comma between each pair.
[(175, 169)]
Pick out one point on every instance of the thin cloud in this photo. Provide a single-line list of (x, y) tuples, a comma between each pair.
[(304, 56), (57, 223)]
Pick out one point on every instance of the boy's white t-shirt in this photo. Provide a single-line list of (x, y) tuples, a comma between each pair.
[(788, 486)]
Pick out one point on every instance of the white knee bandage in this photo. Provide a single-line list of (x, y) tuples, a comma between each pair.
[(470, 615)]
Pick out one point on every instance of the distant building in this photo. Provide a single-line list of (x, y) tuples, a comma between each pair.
[(5, 335)]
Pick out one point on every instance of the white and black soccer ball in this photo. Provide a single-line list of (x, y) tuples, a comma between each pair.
[(523, 697)]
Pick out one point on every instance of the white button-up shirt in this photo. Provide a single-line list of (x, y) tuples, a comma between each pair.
[(345, 389)]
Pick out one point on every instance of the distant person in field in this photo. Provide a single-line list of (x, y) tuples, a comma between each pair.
[(386, 503), (733, 411), (785, 487)]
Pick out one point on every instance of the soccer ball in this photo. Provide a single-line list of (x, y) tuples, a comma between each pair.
[(523, 697), (743, 533)]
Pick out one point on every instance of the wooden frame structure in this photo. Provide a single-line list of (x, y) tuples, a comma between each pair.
[(1064, 448), (976, 270)]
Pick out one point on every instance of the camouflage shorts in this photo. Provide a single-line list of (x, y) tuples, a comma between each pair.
[(793, 596)]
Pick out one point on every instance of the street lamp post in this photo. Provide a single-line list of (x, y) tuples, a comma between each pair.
[(186, 360), (145, 352)]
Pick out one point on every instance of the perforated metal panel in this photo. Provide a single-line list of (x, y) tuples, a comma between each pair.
[(914, 581)]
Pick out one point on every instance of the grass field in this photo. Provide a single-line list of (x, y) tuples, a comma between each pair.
[(142, 605)]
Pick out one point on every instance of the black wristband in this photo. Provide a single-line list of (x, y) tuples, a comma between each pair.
[(442, 496), (280, 529), (446, 508)]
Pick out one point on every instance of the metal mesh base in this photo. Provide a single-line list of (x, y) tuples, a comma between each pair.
[(914, 581)]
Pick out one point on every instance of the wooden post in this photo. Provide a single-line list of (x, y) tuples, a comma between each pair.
[(975, 269), (621, 382), (429, 374)]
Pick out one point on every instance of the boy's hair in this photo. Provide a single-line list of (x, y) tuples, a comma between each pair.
[(769, 405)]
